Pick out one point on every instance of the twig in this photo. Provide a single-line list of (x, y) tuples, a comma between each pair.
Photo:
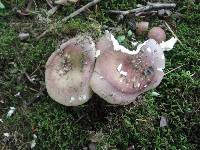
[(80, 119), (50, 3), (142, 120), (75, 13), (36, 97), (149, 7), (174, 69), (53, 10), (36, 69), (146, 13), (29, 78), (80, 10), (170, 29), (28, 7)]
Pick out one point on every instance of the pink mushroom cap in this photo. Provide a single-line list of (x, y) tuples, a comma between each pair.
[(158, 34), (119, 77), (68, 71)]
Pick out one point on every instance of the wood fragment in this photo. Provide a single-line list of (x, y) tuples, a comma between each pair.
[(148, 7), (170, 29)]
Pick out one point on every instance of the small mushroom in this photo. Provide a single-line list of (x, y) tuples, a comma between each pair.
[(120, 75), (142, 27), (68, 71), (158, 34)]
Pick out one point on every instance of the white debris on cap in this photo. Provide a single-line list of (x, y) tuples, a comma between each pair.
[(6, 134), (134, 43), (72, 99), (10, 112), (169, 44), (149, 49), (160, 69), (98, 52), (82, 97), (138, 84), (101, 77), (33, 142), (163, 56), (123, 73), (1, 120), (118, 47), (119, 67)]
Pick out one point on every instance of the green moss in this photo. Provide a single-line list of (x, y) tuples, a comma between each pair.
[(59, 127)]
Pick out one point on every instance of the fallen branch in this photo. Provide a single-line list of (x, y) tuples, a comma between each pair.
[(148, 7), (75, 13)]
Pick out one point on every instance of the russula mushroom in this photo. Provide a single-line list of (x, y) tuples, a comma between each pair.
[(142, 27), (68, 71), (158, 34), (120, 75)]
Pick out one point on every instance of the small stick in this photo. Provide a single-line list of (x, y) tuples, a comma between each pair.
[(28, 7), (36, 69), (75, 13), (53, 10), (146, 13), (174, 69), (170, 29), (148, 7), (29, 78), (80, 10), (36, 97), (50, 3), (79, 119), (143, 120)]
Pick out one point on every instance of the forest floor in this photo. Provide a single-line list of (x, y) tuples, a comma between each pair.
[(96, 123)]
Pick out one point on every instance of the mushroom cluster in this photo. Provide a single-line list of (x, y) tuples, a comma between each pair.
[(115, 73)]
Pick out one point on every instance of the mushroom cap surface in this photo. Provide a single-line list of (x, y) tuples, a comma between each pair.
[(158, 34), (119, 77), (142, 27), (68, 71)]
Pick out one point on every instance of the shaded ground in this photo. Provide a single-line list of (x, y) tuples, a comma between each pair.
[(111, 127)]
